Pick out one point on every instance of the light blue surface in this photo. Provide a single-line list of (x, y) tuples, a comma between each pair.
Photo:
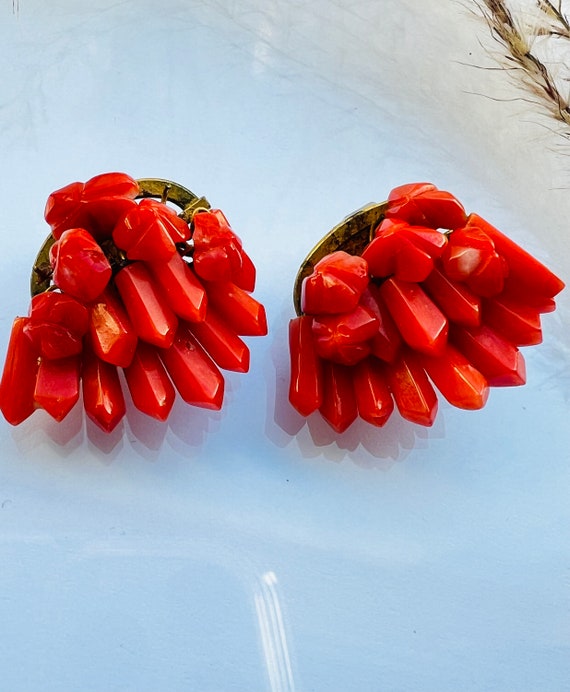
[(245, 550)]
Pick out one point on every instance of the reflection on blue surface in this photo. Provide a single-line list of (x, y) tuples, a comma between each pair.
[(272, 628)]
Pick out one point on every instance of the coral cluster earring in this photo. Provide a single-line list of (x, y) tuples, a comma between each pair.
[(406, 297), (127, 282)]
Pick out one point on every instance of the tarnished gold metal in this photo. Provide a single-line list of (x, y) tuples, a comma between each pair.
[(351, 235), (165, 190)]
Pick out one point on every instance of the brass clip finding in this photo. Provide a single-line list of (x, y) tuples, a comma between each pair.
[(351, 235)]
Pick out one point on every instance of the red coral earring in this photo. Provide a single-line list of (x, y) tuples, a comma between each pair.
[(408, 294), (124, 282)]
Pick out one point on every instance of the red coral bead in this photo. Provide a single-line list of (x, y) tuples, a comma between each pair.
[(540, 304), (489, 279), (471, 256), (405, 251), (150, 314), (456, 301), (150, 231), (19, 375), (57, 386), (518, 323), (80, 267), (457, 379), (415, 398), (62, 207), (245, 315), (336, 284), (373, 397), (107, 185), (194, 373), (345, 338), (111, 332), (103, 398), (408, 191), (497, 359), (387, 340), (222, 344), (338, 407), (57, 324), (217, 250), (150, 387), (466, 251), (393, 254), (422, 204), (244, 277), (183, 291), (421, 323), (305, 388), (526, 274), (96, 205)]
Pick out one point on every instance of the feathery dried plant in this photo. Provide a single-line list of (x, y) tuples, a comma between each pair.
[(536, 37)]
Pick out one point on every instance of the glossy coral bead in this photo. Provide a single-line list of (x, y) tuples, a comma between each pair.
[(150, 232), (151, 316), (217, 250), (103, 398), (306, 377), (182, 289), (150, 387), (336, 284), (471, 256), (421, 323), (387, 341), (195, 375), (57, 385), (518, 323), (245, 275), (495, 357), (526, 274), (221, 343), (422, 204), (19, 375), (338, 407), (404, 251), (455, 300), (243, 313), (80, 267), (345, 338), (414, 395), (95, 205), (57, 324), (112, 335), (373, 397), (242, 273), (457, 379)]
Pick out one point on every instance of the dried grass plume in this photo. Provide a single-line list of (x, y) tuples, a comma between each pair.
[(535, 36)]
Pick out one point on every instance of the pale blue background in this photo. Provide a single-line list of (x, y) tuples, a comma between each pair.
[(243, 550)]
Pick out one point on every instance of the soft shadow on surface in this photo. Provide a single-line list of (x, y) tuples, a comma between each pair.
[(110, 444), (363, 444), (186, 428), (191, 425), (40, 429), (76, 431)]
